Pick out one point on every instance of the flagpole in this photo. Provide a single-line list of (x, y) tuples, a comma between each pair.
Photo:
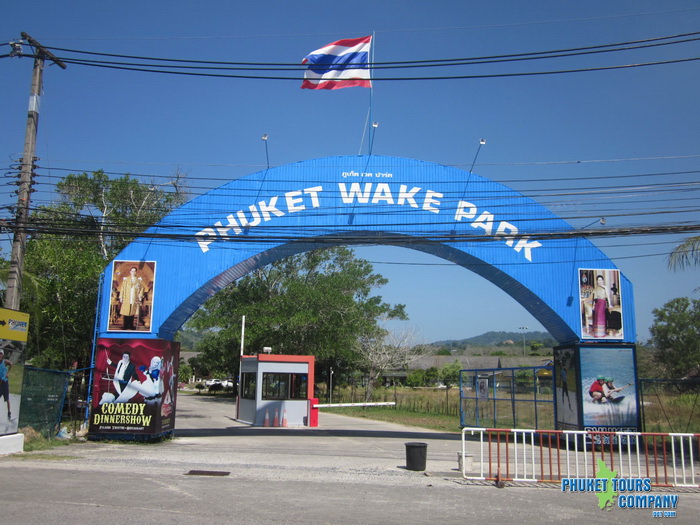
[(371, 95), (364, 130)]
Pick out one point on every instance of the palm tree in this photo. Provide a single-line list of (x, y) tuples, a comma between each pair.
[(31, 286), (686, 254)]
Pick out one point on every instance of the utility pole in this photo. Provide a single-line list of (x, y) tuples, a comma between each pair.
[(19, 240)]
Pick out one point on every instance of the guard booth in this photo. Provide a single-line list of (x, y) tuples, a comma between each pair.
[(277, 390)]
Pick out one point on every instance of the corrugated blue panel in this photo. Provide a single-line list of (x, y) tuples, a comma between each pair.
[(471, 221)]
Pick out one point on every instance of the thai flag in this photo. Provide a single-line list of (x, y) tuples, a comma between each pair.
[(340, 64)]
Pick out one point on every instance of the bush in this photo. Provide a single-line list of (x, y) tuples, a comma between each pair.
[(217, 387)]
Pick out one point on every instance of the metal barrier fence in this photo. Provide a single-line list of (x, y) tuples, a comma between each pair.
[(668, 460)]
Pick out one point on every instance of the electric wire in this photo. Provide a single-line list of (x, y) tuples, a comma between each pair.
[(175, 66), (402, 79), (557, 53), (436, 236)]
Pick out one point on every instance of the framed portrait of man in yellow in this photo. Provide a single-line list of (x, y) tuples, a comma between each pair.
[(131, 292)]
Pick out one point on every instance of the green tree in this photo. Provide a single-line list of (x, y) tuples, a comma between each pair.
[(676, 335), (525, 379), (114, 210), (69, 245), (449, 374), (184, 371), (317, 303), (416, 378), (535, 347), (432, 376)]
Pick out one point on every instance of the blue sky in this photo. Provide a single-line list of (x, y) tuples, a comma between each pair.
[(586, 145)]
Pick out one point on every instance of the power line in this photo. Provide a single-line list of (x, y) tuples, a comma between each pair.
[(189, 177), (177, 66), (261, 167), (272, 66), (389, 79)]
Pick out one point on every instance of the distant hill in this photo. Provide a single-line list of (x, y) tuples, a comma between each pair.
[(498, 338)]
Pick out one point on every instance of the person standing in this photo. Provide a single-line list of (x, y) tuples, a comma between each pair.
[(601, 302), (565, 384), (5, 366), (130, 297)]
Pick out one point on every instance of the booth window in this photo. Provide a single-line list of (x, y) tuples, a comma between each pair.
[(284, 386), (249, 382)]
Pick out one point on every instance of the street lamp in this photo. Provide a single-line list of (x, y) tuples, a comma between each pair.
[(523, 328), (481, 143), (600, 221), (267, 154)]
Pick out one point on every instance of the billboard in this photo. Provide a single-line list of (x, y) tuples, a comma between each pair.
[(567, 391), (11, 377), (479, 224), (134, 386), (609, 389), (14, 325), (601, 304), (131, 298)]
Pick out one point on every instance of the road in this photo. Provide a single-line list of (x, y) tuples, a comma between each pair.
[(216, 470)]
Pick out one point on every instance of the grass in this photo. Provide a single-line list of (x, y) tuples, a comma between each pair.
[(440, 422), (671, 413), (42, 457), (439, 409), (34, 441), (664, 410)]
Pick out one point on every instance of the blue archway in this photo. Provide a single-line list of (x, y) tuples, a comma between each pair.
[(486, 227)]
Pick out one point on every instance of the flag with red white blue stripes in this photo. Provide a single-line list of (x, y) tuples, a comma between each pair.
[(340, 64)]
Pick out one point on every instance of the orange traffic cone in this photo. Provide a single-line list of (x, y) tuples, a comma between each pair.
[(284, 419), (266, 423), (276, 421)]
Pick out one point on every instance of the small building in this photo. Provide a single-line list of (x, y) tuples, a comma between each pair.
[(277, 390)]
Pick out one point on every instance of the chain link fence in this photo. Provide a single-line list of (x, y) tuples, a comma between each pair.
[(51, 398), (507, 398), (43, 396), (670, 405)]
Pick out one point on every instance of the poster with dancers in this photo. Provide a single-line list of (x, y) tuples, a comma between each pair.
[(134, 386)]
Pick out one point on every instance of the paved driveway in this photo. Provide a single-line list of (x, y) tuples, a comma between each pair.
[(216, 470)]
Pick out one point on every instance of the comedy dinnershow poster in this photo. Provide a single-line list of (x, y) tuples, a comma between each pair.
[(134, 386)]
